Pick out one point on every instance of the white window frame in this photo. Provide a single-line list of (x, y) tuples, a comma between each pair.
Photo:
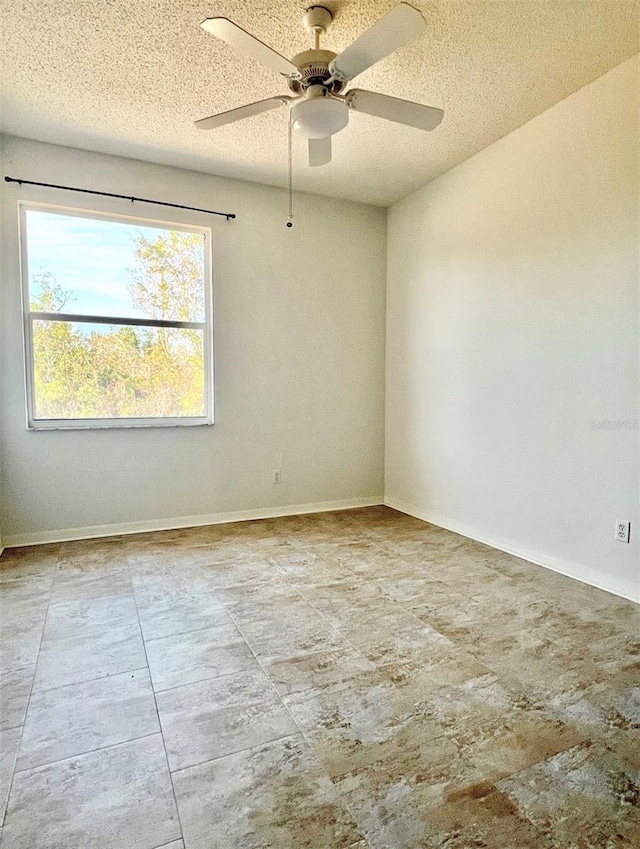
[(29, 317)]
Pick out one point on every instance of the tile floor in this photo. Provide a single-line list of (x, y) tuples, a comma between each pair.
[(351, 680)]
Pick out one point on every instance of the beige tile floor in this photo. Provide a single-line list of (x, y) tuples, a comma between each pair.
[(353, 680)]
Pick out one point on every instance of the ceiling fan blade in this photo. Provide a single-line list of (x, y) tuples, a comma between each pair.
[(320, 151), (394, 109), (402, 24), (234, 35), (241, 112)]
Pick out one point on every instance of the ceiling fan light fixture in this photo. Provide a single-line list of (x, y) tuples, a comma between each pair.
[(319, 117), (317, 78)]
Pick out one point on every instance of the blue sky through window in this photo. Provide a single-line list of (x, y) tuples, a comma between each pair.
[(92, 258)]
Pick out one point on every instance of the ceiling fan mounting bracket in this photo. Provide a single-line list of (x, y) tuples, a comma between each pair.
[(316, 20)]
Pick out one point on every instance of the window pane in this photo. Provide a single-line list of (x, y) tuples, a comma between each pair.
[(113, 268), (100, 371)]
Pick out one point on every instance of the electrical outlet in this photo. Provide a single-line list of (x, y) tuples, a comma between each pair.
[(623, 531), (276, 476)]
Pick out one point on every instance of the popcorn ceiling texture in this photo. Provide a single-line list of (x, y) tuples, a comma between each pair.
[(130, 77)]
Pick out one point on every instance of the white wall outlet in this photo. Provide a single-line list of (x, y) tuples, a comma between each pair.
[(623, 531), (276, 476)]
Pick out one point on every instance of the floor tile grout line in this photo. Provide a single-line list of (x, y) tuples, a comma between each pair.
[(356, 575), (235, 752), (90, 680), (303, 736), (204, 680), (282, 702), (265, 673), (180, 633), (155, 702), (387, 595), (311, 752), (88, 752), (257, 659), (26, 712), (333, 626), (338, 628)]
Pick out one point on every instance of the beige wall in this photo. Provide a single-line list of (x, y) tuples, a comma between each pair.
[(512, 327), (299, 357)]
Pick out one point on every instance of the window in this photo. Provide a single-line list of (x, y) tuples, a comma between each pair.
[(117, 320)]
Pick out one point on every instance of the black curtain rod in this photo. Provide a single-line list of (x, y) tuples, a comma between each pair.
[(226, 215)]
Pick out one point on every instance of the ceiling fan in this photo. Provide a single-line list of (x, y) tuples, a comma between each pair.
[(317, 78)]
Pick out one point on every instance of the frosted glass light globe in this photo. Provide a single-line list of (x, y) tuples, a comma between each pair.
[(319, 117)]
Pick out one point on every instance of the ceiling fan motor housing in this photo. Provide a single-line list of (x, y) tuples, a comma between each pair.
[(314, 69)]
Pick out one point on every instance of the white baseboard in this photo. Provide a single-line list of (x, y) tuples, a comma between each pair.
[(90, 532), (569, 568)]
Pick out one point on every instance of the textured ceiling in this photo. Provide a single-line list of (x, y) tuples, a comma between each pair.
[(129, 77)]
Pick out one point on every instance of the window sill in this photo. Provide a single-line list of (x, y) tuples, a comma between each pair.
[(112, 424)]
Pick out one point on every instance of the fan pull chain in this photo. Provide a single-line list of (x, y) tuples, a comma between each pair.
[(290, 172)]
